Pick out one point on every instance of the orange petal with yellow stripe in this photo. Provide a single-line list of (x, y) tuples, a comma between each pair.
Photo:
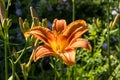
[(80, 43), (43, 34), (42, 51), (68, 57), (73, 26)]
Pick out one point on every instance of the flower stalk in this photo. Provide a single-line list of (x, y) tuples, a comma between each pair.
[(73, 10), (6, 23), (31, 57), (108, 40), (5, 49)]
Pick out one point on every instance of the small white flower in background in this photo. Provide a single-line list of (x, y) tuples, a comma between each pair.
[(64, 0), (116, 11)]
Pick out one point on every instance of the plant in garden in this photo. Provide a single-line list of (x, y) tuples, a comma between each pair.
[(4, 27), (65, 43)]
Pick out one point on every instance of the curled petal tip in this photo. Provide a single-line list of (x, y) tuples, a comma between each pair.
[(80, 43), (42, 51), (68, 57), (88, 46)]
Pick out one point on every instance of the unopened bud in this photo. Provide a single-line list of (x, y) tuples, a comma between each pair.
[(2, 11), (26, 25), (35, 22), (114, 22), (33, 13), (21, 25), (98, 22), (44, 22)]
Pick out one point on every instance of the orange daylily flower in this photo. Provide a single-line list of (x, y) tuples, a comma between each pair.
[(61, 41)]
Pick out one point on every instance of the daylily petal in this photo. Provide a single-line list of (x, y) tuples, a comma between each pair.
[(68, 57), (74, 26), (43, 34), (62, 43), (42, 51), (58, 25), (75, 29), (80, 43), (77, 33)]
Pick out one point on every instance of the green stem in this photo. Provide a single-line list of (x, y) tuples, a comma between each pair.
[(5, 49), (108, 49), (31, 57), (7, 8), (119, 32), (61, 70), (69, 73), (75, 72), (108, 41), (25, 48), (73, 10), (13, 69), (30, 60), (42, 70), (57, 73)]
